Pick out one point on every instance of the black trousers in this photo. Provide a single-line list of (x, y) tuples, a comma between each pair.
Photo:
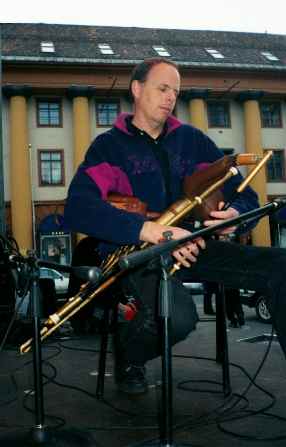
[(236, 266), (233, 306)]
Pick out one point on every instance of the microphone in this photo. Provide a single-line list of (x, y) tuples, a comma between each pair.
[(280, 203), (16, 259), (87, 273), (84, 272)]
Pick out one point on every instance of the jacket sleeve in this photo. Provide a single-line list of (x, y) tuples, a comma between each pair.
[(245, 201), (86, 209)]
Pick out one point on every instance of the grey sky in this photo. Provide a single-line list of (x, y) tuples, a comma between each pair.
[(241, 15)]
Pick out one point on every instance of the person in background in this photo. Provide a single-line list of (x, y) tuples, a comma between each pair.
[(233, 306), (210, 290)]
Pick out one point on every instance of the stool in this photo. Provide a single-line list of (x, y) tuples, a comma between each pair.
[(221, 339), (110, 319), (109, 322), (85, 253)]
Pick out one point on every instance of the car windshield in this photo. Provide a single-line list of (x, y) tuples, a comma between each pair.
[(49, 273)]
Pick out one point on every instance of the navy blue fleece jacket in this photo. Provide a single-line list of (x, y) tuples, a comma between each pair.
[(123, 162)]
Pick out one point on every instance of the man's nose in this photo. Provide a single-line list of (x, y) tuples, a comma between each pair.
[(172, 96)]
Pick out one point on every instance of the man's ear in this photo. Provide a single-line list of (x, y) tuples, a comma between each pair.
[(136, 87)]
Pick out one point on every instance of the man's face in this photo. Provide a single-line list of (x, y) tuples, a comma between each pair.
[(155, 98)]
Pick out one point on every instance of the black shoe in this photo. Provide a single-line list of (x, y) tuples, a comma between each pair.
[(234, 323), (131, 380), (241, 320), (209, 311)]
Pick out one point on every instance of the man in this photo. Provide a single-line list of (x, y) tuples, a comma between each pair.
[(147, 155)]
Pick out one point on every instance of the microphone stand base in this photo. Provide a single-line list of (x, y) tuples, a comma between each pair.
[(46, 437), (162, 444)]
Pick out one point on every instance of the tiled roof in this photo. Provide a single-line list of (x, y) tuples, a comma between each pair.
[(79, 44)]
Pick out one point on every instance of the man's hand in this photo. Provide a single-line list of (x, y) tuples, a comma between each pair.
[(153, 232), (220, 216)]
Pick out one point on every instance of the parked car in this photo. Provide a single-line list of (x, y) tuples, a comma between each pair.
[(196, 288), (61, 281), (259, 302), (248, 298)]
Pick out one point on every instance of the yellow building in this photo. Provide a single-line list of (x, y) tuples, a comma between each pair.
[(63, 85)]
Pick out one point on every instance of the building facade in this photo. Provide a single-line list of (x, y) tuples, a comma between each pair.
[(63, 85)]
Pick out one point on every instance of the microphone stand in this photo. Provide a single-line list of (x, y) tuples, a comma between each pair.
[(40, 434), (165, 312), (162, 253)]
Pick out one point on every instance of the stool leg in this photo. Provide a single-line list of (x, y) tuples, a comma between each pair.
[(102, 355), (221, 340)]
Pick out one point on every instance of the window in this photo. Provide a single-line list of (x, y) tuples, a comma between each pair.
[(106, 112), (270, 114), (105, 48), (214, 53), (218, 114), (275, 167), (49, 113), (51, 167), (161, 51), (47, 47), (269, 56)]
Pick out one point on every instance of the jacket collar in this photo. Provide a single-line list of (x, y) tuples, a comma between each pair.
[(120, 123)]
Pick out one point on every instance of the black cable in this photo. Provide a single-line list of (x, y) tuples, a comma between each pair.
[(74, 348), (197, 421), (15, 385), (204, 419), (9, 243), (252, 381), (14, 381), (249, 413), (61, 421), (79, 389), (107, 403), (260, 366), (10, 248), (93, 396), (29, 362), (75, 388), (253, 438), (239, 397), (87, 392), (12, 321)]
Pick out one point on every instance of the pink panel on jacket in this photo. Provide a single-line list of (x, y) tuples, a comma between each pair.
[(110, 178), (202, 166)]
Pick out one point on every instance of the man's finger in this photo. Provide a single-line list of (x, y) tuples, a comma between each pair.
[(200, 242)]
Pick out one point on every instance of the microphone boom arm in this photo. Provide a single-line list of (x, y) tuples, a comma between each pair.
[(137, 258)]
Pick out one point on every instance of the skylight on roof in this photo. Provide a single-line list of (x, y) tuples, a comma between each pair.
[(161, 51), (268, 55), (214, 53), (105, 48), (47, 47)]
